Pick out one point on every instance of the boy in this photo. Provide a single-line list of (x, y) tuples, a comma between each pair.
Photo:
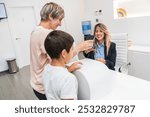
[(58, 82)]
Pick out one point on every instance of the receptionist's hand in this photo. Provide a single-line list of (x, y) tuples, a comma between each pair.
[(89, 50), (101, 60)]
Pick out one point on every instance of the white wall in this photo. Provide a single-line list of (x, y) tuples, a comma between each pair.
[(75, 11), (137, 28), (6, 47), (74, 14), (141, 7), (5, 38)]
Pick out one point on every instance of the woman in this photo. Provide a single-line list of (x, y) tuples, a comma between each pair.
[(105, 50), (51, 17)]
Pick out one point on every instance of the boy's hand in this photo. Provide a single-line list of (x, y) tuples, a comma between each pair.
[(74, 66)]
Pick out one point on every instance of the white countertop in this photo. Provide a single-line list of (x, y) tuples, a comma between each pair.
[(102, 83), (137, 48), (128, 87)]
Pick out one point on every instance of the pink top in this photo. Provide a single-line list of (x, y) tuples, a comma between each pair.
[(38, 57)]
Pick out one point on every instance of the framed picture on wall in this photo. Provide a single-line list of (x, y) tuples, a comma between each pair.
[(3, 13)]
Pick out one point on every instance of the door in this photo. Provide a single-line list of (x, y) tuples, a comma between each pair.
[(23, 21)]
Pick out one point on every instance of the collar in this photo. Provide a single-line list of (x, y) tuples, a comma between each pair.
[(100, 45)]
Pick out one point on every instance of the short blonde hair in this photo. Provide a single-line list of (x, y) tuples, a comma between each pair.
[(53, 10)]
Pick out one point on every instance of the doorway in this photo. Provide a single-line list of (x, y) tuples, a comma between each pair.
[(22, 22)]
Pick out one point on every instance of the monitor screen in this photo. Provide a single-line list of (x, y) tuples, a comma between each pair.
[(86, 27), (3, 13)]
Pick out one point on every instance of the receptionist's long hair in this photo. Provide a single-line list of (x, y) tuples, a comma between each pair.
[(104, 29)]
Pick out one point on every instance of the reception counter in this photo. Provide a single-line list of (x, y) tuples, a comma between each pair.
[(97, 82), (139, 57), (128, 87)]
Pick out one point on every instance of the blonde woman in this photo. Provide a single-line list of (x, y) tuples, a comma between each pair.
[(105, 50), (51, 16)]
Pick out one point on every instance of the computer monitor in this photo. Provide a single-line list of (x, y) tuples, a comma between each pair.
[(86, 27), (3, 13)]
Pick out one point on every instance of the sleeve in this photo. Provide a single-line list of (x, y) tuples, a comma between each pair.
[(89, 55), (75, 56), (70, 88), (112, 58), (42, 47), (43, 35), (75, 49)]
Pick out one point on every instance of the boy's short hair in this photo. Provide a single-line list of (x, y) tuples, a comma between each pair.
[(56, 41)]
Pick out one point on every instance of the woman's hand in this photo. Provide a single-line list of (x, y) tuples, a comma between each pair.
[(85, 45), (101, 60), (74, 66), (89, 50)]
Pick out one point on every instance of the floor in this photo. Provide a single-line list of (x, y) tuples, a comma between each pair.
[(16, 86)]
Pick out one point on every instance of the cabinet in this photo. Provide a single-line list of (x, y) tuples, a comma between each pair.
[(139, 57)]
